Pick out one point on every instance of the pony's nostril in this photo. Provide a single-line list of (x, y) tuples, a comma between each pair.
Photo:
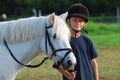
[(69, 62), (59, 62)]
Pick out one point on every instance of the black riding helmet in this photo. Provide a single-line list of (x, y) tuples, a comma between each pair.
[(78, 10)]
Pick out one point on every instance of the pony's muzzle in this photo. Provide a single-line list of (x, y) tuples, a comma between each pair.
[(56, 65), (69, 65)]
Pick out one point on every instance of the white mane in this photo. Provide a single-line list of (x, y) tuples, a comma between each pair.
[(30, 28), (22, 29)]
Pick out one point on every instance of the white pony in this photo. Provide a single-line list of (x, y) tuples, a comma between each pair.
[(28, 37)]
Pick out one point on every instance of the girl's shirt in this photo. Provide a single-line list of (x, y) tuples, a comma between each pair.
[(84, 52)]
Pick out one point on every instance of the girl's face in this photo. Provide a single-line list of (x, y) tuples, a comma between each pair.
[(76, 23)]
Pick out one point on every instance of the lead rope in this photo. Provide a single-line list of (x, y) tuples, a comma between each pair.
[(29, 66)]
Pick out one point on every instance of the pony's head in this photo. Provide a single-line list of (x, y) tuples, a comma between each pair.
[(50, 32), (57, 38)]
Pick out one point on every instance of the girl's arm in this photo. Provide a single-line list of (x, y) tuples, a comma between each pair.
[(95, 69)]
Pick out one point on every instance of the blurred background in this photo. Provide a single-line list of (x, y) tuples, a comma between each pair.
[(103, 28), (25, 8)]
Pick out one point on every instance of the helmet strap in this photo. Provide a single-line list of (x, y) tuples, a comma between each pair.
[(76, 31), (85, 30)]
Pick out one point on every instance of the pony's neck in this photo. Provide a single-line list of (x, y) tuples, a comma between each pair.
[(28, 51)]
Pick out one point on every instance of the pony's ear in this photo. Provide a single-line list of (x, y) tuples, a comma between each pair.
[(51, 19), (64, 16)]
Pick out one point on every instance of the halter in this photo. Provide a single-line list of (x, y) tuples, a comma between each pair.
[(54, 51), (47, 37)]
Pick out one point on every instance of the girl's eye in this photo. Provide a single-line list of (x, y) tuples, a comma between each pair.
[(54, 36)]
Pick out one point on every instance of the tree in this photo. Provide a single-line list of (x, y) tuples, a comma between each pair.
[(20, 7)]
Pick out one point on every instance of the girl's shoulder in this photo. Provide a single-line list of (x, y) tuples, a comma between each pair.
[(86, 38)]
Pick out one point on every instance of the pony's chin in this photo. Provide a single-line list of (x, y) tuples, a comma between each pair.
[(65, 67)]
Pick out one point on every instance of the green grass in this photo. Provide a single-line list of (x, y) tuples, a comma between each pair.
[(103, 18), (111, 40), (104, 34), (44, 72), (108, 63), (100, 28), (106, 38)]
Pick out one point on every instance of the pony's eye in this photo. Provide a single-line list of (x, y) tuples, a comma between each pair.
[(54, 36)]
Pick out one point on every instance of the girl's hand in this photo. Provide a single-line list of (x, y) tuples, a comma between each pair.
[(71, 75)]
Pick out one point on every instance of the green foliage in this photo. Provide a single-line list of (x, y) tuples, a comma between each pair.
[(13, 7), (103, 18)]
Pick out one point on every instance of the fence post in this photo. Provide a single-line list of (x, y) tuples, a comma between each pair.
[(34, 11), (118, 15)]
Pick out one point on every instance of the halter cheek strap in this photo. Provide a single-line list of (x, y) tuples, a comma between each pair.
[(54, 51)]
